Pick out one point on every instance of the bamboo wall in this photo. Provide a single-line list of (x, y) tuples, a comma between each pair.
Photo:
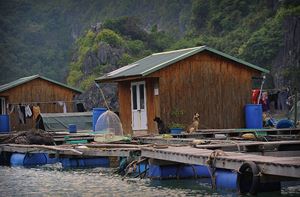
[(37, 90)]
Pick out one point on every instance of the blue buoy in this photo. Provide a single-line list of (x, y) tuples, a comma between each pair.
[(96, 113), (253, 116), (4, 124)]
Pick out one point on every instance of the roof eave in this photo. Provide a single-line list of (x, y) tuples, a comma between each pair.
[(115, 79), (237, 60)]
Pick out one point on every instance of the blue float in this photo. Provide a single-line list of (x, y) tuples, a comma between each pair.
[(226, 179), (285, 123), (253, 116), (31, 159), (180, 171), (85, 162), (4, 124), (96, 114)]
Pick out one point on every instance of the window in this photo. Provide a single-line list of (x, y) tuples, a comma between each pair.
[(134, 97)]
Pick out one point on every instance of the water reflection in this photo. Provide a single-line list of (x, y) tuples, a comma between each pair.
[(54, 181)]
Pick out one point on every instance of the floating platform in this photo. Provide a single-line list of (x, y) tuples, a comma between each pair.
[(276, 166)]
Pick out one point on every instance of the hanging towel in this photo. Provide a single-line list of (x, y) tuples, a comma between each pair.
[(20, 115), (61, 103), (36, 112), (10, 108), (22, 107), (28, 112)]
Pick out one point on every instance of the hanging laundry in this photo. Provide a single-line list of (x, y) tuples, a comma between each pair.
[(10, 108), (28, 112), (61, 103), (36, 112), (22, 107), (21, 114)]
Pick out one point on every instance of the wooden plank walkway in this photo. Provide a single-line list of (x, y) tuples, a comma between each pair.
[(278, 166), (70, 150), (243, 145), (204, 133)]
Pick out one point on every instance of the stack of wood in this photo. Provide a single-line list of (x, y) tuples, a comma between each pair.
[(28, 137)]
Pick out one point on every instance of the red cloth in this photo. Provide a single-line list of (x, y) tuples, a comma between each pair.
[(255, 94)]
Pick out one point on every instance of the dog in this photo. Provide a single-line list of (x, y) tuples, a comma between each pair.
[(195, 124), (160, 125)]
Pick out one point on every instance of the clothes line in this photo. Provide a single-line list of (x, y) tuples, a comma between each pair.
[(44, 102)]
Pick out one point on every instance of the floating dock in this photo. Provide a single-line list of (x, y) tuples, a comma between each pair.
[(265, 161)]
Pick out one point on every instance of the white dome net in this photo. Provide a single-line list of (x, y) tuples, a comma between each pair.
[(109, 122)]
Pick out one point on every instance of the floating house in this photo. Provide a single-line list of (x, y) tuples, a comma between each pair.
[(200, 79), (23, 99)]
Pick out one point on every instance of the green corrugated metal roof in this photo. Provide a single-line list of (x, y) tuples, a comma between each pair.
[(27, 79), (158, 61)]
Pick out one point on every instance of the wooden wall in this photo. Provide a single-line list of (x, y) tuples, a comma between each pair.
[(37, 90), (125, 105), (215, 87)]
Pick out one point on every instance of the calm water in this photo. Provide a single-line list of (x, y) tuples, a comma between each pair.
[(53, 181)]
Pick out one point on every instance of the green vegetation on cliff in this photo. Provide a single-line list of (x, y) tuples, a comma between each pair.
[(84, 39), (250, 30)]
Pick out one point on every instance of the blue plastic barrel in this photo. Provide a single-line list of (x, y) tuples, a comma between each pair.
[(253, 115), (174, 171), (4, 123), (96, 113), (226, 179), (72, 128), (85, 162), (29, 159)]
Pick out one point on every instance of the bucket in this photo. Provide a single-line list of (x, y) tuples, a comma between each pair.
[(253, 116), (96, 113), (176, 130), (4, 123), (72, 128)]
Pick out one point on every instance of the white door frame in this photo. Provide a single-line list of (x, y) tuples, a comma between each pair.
[(138, 108)]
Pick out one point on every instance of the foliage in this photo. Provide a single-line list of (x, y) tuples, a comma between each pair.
[(45, 36), (176, 115), (110, 37)]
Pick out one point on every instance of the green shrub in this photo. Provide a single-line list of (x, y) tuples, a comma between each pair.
[(110, 37)]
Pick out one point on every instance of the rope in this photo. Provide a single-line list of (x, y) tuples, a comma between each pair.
[(102, 94), (212, 165)]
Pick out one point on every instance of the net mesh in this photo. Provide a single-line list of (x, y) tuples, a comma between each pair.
[(109, 122)]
